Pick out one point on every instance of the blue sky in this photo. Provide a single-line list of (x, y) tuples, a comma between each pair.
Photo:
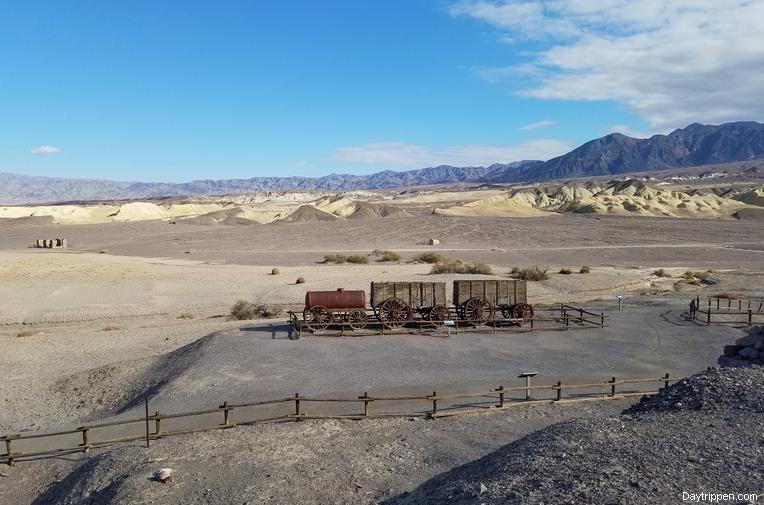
[(182, 90)]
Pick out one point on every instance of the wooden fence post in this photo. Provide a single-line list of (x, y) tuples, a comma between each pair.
[(559, 391), (365, 403), (146, 402), (666, 380), (157, 424), (9, 450), (612, 386), (602, 319), (500, 389), (85, 442), (434, 403), (750, 316), (297, 406), (226, 414), (708, 317)]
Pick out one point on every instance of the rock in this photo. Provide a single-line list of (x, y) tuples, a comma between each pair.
[(483, 489), (164, 475), (728, 362), (749, 340), (732, 350), (749, 353)]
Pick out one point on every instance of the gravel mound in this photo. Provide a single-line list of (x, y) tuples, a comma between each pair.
[(650, 454)]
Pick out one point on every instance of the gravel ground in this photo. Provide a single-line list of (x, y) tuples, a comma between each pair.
[(702, 435)]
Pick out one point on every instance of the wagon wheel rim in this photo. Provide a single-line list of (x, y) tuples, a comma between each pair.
[(507, 311), (393, 312), (357, 319), (317, 317), (438, 314), (522, 311), (478, 310)]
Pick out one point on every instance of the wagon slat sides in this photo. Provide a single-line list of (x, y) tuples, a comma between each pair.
[(497, 292), (416, 295)]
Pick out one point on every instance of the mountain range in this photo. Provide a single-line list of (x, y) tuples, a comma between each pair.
[(613, 154)]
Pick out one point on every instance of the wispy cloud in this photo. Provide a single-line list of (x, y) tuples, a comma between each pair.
[(45, 150), (671, 63), (539, 124), (404, 155)]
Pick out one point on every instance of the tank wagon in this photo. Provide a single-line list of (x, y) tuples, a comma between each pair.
[(393, 304)]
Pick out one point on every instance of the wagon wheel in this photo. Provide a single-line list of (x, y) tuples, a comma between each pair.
[(522, 311), (507, 311), (393, 312), (357, 319), (438, 313), (478, 310), (317, 317)]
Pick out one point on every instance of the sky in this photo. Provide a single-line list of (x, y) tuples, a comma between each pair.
[(184, 90)]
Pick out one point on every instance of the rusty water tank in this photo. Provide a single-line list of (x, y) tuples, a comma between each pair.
[(339, 299)]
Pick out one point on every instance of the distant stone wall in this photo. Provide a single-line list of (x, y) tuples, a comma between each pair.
[(51, 243)]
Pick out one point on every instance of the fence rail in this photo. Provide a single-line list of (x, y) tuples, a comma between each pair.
[(729, 311), (19, 447)]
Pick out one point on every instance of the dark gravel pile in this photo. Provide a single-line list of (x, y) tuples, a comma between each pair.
[(714, 389), (650, 454)]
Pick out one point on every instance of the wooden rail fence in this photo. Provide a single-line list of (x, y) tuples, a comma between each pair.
[(728, 311), (95, 435)]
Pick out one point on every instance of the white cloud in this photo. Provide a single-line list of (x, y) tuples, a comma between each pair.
[(539, 124), (45, 150), (671, 63), (401, 154), (629, 131)]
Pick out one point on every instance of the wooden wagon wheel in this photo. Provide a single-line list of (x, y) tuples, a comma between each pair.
[(438, 313), (507, 311), (477, 310), (357, 319), (393, 312), (317, 317), (522, 311)]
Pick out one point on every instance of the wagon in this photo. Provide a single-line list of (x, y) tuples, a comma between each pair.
[(479, 301), (395, 303), (323, 308)]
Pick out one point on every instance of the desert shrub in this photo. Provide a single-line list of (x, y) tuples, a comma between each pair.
[(460, 267), (428, 257), (693, 281), (386, 256), (688, 276), (275, 271), (515, 271), (586, 269), (661, 273), (111, 328), (565, 271), (300, 280), (186, 315), (243, 309), (534, 273), (357, 259), (335, 258), (727, 295), (27, 333)]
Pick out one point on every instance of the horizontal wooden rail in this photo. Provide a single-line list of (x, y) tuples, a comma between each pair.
[(493, 396)]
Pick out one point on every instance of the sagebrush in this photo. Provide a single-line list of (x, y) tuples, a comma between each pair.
[(243, 310), (460, 267)]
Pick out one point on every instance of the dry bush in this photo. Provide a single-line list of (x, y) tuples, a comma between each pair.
[(661, 273), (534, 273), (111, 328), (428, 257), (275, 271), (357, 259), (335, 258), (300, 280), (586, 269), (460, 267), (243, 310), (693, 281), (565, 271), (515, 271), (186, 315), (27, 333), (386, 256), (728, 295)]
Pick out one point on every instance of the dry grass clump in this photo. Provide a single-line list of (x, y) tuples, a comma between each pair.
[(534, 274), (565, 271), (728, 295), (386, 256), (661, 273), (335, 258), (460, 267), (275, 271), (300, 280), (186, 315), (515, 271), (586, 269), (357, 259), (111, 328), (243, 310), (429, 257), (27, 333)]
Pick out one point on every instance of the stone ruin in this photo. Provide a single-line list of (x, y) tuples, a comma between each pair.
[(748, 350), (51, 243)]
